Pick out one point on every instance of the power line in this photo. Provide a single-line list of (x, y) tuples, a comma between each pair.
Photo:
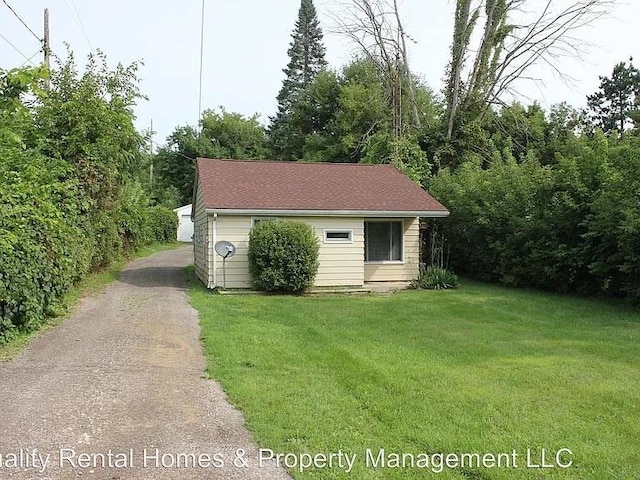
[(18, 50), (22, 21), (78, 20), (84, 30), (39, 52)]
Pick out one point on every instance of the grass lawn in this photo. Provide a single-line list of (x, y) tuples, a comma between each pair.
[(89, 285), (483, 369)]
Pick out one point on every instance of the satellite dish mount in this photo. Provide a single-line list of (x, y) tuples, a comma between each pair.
[(225, 250)]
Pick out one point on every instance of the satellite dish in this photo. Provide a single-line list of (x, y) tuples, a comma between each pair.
[(225, 249)]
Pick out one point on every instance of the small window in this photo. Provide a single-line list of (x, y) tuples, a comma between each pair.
[(383, 241), (338, 236), (257, 220)]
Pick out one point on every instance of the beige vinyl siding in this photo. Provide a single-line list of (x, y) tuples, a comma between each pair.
[(234, 229), (341, 264), (399, 271), (201, 237)]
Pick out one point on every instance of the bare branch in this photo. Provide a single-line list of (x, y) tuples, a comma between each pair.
[(375, 27), (508, 49), (547, 40)]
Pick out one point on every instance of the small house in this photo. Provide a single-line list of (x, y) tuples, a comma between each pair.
[(366, 217)]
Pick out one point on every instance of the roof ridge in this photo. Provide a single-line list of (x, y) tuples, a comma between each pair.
[(296, 162)]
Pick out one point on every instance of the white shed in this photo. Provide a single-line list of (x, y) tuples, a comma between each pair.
[(185, 224)]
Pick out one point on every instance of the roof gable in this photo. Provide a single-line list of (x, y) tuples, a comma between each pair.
[(295, 186)]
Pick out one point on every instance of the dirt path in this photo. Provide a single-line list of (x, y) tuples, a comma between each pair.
[(121, 383)]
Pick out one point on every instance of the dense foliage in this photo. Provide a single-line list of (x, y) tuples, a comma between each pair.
[(346, 117), (71, 192), (283, 256), (139, 223), (222, 135), (570, 226), (43, 249)]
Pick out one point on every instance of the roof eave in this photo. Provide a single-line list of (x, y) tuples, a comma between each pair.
[(330, 213)]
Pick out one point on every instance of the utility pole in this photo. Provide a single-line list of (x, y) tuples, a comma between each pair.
[(46, 48), (151, 155), (201, 63)]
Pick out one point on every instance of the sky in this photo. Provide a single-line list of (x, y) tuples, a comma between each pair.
[(245, 49)]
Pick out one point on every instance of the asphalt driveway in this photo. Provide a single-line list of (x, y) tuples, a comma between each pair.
[(117, 391)]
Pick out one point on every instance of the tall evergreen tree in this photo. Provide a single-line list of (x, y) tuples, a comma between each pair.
[(306, 60), (614, 106)]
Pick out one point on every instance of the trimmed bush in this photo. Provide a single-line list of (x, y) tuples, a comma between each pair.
[(283, 256), (435, 278)]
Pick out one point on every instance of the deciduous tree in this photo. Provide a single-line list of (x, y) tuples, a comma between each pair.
[(512, 41), (222, 135), (376, 27)]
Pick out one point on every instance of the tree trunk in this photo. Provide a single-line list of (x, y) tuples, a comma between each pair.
[(458, 49), (407, 70)]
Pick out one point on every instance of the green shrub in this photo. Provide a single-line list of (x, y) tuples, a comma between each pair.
[(138, 223), (163, 224), (571, 226), (69, 201), (283, 256), (132, 217), (435, 278), (43, 250), (103, 228)]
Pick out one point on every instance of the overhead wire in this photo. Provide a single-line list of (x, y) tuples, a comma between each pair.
[(18, 50), (22, 21), (75, 14), (30, 59)]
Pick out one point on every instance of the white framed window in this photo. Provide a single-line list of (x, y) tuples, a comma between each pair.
[(257, 220), (338, 236), (383, 241)]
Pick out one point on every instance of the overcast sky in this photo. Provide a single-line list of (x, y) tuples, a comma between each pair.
[(246, 45)]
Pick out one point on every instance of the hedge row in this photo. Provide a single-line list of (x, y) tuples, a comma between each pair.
[(570, 227), (48, 239), (140, 225)]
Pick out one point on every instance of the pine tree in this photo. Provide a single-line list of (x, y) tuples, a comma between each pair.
[(614, 106), (306, 59)]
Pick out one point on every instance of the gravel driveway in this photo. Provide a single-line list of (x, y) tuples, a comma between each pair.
[(117, 391)]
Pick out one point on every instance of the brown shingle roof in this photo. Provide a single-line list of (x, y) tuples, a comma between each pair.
[(262, 185)]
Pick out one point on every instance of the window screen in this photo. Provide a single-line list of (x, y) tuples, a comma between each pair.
[(383, 241)]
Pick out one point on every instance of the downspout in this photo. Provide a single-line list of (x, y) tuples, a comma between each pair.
[(215, 257)]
